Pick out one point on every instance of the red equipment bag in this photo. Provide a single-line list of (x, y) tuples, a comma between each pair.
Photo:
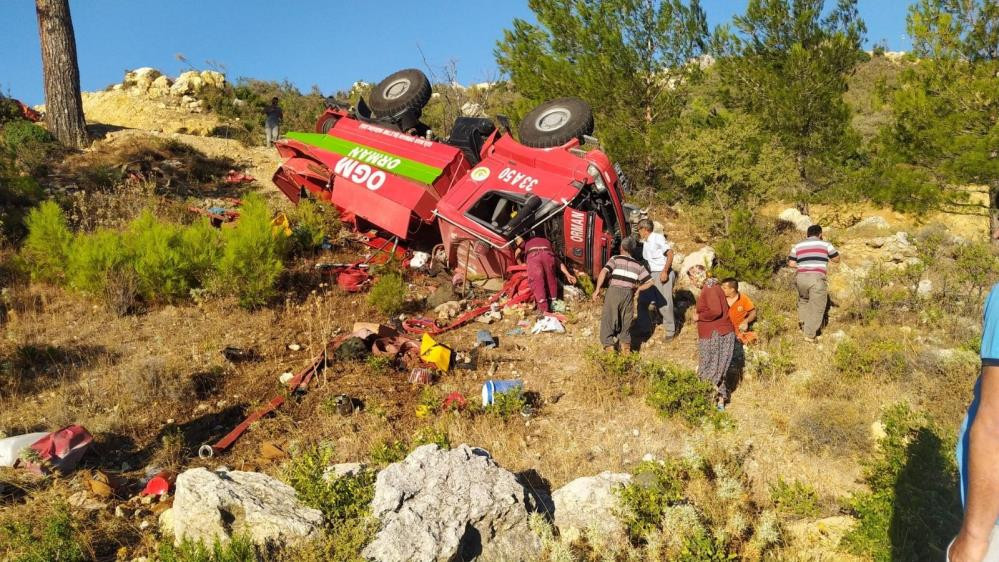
[(353, 279), (60, 450)]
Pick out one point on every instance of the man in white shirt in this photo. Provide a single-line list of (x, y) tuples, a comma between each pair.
[(658, 255)]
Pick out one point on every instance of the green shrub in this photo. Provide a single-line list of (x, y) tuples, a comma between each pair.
[(841, 426), (795, 498), (54, 540), (977, 267), (388, 294), (749, 252), (675, 390), (431, 434), (775, 363), (158, 261), (200, 247), (507, 404), (29, 143), (314, 223), (386, 452), (380, 364), (347, 498), (614, 365), (95, 257), (251, 259), (47, 246), (654, 488), (237, 549), (911, 510), (872, 353), (9, 111)]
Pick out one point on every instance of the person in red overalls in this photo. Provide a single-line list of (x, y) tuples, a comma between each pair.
[(540, 260)]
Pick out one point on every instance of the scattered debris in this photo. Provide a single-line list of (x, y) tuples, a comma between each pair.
[(239, 355), (348, 405), (485, 339), (294, 346), (493, 388), (58, 451), (421, 375), (436, 354), (11, 448), (159, 484), (235, 177), (548, 324), (455, 401)]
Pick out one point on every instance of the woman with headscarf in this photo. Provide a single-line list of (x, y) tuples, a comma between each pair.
[(716, 336)]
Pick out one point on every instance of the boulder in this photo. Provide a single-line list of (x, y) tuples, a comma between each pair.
[(212, 79), (188, 83), (210, 505), (472, 109), (160, 87), (801, 222), (590, 503), (442, 294), (924, 288), (870, 223), (458, 504), (140, 79), (705, 256)]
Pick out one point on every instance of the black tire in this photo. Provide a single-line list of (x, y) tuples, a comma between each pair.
[(402, 90), (556, 122), (326, 124)]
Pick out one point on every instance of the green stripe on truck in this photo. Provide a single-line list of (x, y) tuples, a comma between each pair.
[(410, 169)]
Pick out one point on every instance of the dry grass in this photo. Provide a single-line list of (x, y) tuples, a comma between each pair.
[(153, 387)]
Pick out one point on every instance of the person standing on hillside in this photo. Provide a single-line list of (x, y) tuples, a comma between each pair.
[(811, 258), (658, 256), (627, 276), (715, 333), (978, 453), (272, 123)]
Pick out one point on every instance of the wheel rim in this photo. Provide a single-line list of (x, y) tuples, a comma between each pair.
[(396, 89), (553, 119)]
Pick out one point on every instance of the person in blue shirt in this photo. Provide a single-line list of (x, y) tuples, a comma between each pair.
[(978, 453)]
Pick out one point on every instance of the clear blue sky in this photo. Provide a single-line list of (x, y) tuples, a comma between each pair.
[(330, 43)]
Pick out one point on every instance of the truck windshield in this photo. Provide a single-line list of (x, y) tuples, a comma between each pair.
[(495, 210)]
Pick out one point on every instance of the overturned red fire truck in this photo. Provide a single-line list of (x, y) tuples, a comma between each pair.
[(473, 193)]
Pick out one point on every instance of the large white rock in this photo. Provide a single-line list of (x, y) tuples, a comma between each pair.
[(188, 83), (590, 503), (458, 504), (705, 256), (140, 79), (160, 87), (210, 505), (801, 222), (212, 79)]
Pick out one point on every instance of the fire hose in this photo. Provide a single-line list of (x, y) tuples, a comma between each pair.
[(516, 289)]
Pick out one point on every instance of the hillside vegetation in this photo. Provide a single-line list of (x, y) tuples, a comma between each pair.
[(121, 307)]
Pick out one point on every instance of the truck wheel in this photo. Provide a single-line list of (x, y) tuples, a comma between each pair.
[(402, 90), (326, 123), (556, 122)]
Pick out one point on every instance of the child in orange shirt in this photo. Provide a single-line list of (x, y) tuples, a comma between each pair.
[(741, 311)]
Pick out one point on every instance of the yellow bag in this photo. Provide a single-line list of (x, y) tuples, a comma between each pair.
[(436, 354), (280, 225)]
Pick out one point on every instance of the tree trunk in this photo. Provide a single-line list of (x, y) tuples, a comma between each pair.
[(63, 105), (994, 212)]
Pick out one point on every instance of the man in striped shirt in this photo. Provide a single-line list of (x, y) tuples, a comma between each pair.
[(811, 258), (627, 277)]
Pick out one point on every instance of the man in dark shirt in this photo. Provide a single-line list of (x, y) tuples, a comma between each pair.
[(273, 122)]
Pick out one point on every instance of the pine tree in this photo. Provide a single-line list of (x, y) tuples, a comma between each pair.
[(788, 65), (630, 59), (63, 105), (945, 131)]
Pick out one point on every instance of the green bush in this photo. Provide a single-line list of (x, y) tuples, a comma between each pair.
[(507, 404), (654, 488), (699, 507), (314, 223), (977, 267), (614, 365), (29, 144), (94, 257), (750, 251), (388, 294), (872, 353), (386, 452), (431, 435), (343, 499), (237, 549), (675, 390), (9, 111), (54, 540), (47, 246), (795, 498), (251, 259), (911, 510)]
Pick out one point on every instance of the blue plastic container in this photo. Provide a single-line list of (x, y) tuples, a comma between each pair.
[(491, 388)]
